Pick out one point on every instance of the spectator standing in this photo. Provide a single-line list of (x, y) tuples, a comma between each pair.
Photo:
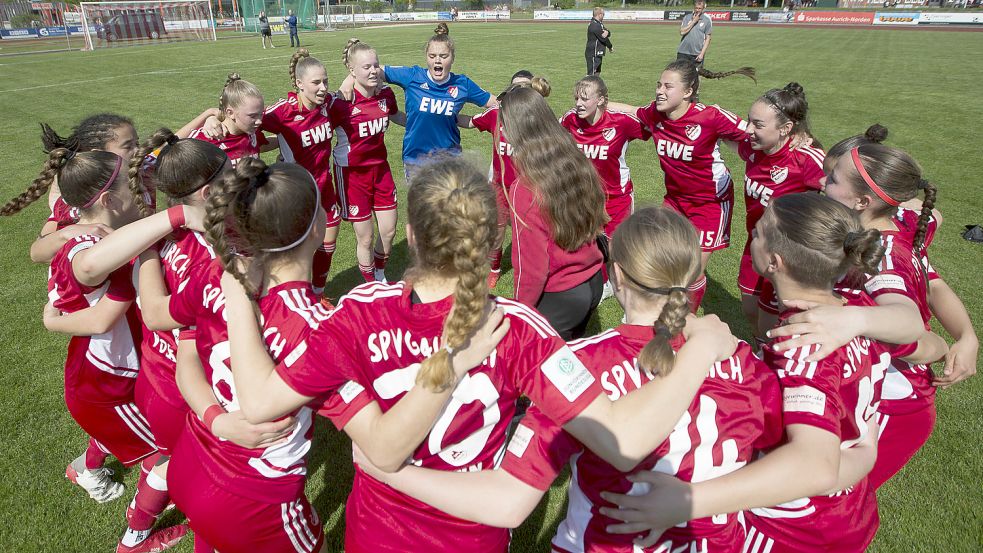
[(292, 27), (264, 30), (695, 32), (597, 41)]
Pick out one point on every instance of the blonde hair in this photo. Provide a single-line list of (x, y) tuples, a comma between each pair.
[(440, 39), (592, 83), (234, 93), (658, 251), (565, 181), (541, 85), (453, 214), (353, 47)]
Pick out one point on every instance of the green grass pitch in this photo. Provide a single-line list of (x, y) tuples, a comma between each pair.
[(924, 86)]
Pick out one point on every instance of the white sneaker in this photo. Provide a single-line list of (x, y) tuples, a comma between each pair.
[(380, 275), (607, 291), (98, 482)]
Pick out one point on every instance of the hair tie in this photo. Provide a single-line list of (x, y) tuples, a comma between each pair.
[(71, 154), (104, 187), (855, 154), (449, 349), (923, 184), (172, 139), (662, 330)]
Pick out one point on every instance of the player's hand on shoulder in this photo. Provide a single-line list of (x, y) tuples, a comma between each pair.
[(711, 335), (74, 231), (668, 502), (830, 326), (213, 128), (482, 342)]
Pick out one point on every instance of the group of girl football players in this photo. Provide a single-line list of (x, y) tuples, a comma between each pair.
[(201, 347)]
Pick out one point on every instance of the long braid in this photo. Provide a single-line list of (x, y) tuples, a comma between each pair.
[(136, 171), (221, 206), (52, 167), (657, 355), (300, 54), (928, 204), (748, 72)]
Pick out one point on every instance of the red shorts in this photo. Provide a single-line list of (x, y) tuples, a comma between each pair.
[(362, 190), (167, 421), (748, 280), (712, 220), (228, 522), (619, 208), (120, 428), (901, 436)]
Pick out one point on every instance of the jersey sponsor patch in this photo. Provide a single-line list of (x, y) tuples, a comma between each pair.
[(804, 399), (520, 440), (567, 373), (779, 174), (350, 391), (881, 282)]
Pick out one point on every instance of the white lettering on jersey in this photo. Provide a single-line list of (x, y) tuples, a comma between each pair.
[(371, 128), (440, 107), (804, 399), (729, 369), (594, 151), (175, 259), (316, 135), (163, 348), (212, 298), (379, 344), (613, 380), (757, 191), (674, 150), (891, 282), (504, 149)]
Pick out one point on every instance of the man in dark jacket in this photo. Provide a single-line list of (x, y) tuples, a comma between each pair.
[(292, 27), (597, 41)]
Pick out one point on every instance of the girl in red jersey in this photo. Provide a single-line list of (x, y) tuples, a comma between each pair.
[(698, 184), (557, 213), (772, 168), (388, 337), (361, 169), (816, 477), (240, 113), (502, 170), (737, 410), (93, 276)]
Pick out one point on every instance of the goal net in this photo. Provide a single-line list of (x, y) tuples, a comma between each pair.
[(113, 24), (343, 15), (277, 13)]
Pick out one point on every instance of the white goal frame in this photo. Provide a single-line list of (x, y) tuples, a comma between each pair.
[(347, 12), (205, 6)]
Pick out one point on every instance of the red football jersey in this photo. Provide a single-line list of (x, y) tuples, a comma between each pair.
[(101, 368), (305, 138), (907, 222), (502, 153), (63, 214), (688, 151), (377, 336), (290, 312), (838, 394), (605, 144), (186, 254), (786, 171), (907, 387), (736, 412), (236, 146), (360, 127)]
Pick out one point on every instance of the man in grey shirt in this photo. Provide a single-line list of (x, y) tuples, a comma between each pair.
[(695, 31)]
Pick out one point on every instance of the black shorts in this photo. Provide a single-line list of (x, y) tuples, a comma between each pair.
[(690, 57), (266, 32), (570, 311)]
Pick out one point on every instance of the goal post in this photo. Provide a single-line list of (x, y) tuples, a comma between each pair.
[(342, 16), (112, 24)]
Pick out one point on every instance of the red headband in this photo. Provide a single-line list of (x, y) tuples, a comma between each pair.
[(855, 154), (112, 179)]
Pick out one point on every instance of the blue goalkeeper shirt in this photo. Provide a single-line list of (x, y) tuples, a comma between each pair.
[(431, 109)]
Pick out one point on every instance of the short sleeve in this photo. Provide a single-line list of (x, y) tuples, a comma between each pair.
[(649, 116), (323, 363), (812, 167), (340, 406), (728, 125), (476, 94), (485, 121), (709, 26), (538, 450), (399, 75), (121, 285), (392, 106), (744, 149), (184, 305), (810, 390), (273, 118), (261, 140), (894, 277)]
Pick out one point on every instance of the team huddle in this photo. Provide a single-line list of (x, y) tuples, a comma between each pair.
[(202, 349)]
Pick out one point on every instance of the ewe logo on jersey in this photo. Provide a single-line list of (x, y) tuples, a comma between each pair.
[(505, 149), (674, 150), (693, 131), (594, 151), (757, 191), (779, 174), (608, 134), (372, 128), (440, 107), (317, 135)]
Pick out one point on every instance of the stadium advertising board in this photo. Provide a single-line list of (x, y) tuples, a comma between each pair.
[(572, 15), (775, 17), (835, 18), (930, 18), (719, 16), (482, 15), (743, 16), (896, 18), (675, 15), (638, 15), (41, 32)]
